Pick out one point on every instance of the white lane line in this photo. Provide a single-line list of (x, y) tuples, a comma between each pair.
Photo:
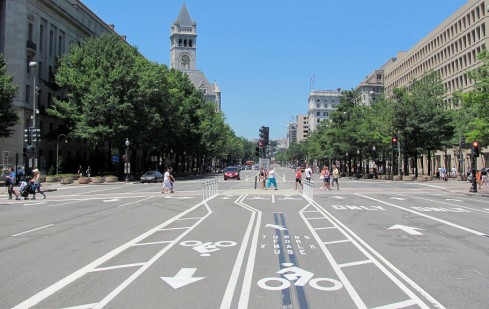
[(117, 267), (196, 218), (42, 227), (355, 263), (40, 296), (144, 199), (244, 297), (87, 306), (336, 242), (233, 279), (153, 260), (176, 228), (67, 203), (371, 251), (325, 228), (273, 199), (90, 192), (152, 243), (426, 216), (402, 304)]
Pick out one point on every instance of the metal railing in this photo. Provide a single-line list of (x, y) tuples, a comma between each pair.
[(209, 189), (308, 190)]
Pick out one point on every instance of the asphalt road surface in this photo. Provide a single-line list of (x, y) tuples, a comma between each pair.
[(372, 244)]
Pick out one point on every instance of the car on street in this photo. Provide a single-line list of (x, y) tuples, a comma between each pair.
[(231, 172), (152, 176)]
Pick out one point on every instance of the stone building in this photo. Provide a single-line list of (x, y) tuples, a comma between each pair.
[(320, 105), (34, 34)]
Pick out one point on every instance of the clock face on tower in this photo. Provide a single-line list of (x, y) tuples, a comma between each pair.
[(185, 60)]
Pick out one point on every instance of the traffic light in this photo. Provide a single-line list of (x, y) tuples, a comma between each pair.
[(475, 149), (257, 151), (394, 142), (27, 136), (462, 143), (36, 135), (264, 135)]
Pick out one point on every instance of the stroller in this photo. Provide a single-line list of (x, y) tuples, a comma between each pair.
[(25, 189)]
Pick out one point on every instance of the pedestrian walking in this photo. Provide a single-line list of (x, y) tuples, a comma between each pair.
[(308, 172), (166, 182), (336, 175), (11, 178), (172, 180), (321, 177), (89, 171), (327, 179), (36, 183), (80, 171), (298, 178), (262, 174), (271, 178)]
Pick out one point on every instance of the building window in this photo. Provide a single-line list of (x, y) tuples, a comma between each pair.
[(318, 105), (41, 38), (51, 43), (318, 114), (31, 32), (27, 93), (190, 43)]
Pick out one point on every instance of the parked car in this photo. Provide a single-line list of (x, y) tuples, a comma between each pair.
[(231, 172), (152, 176)]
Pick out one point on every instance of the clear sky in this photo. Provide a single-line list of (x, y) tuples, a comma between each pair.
[(262, 53)]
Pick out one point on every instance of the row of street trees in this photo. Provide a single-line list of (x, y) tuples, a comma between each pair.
[(114, 93), (419, 115)]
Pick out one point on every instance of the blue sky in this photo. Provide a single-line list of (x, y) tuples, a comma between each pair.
[(262, 53)]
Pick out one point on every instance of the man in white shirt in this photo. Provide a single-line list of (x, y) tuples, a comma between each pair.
[(308, 172)]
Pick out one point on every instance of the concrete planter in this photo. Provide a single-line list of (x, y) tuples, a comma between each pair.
[(408, 178), (97, 179), (83, 180), (111, 179), (66, 180), (423, 178), (397, 178), (52, 179)]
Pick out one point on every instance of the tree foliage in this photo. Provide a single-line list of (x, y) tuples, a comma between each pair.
[(8, 91)]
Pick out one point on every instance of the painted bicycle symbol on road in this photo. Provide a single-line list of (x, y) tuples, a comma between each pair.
[(205, 248), (301, 278)]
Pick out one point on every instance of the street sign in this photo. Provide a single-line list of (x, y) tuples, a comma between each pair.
[(115, 159), (264, 163)]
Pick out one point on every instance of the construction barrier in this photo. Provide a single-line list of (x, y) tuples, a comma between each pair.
[(209, 189)]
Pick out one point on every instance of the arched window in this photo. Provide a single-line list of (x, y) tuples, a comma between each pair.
[(190, 43)]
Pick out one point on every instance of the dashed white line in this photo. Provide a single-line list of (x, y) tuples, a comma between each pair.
[(42, 227)]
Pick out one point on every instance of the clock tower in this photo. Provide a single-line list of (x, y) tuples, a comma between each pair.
[(183, 42)]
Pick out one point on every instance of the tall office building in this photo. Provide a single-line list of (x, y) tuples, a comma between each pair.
[(320, 105), (183, 55)]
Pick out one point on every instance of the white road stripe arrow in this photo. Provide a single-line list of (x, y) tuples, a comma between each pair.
[(182, 278), (278, 227), (408, 229)]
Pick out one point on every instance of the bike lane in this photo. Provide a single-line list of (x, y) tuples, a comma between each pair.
[(437, 244)]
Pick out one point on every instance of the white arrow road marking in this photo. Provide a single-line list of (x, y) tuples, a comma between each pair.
[(112, 200), (278, 227), (398, 198), (182, 278), (258, 198), (407, 229)]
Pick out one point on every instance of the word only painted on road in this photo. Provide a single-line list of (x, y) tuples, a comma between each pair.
[(353, 207), (205, 248), (439, 209), (288, 243)]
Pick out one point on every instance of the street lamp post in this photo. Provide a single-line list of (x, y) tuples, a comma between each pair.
[(57, 151), (33, 65), (126, 164), (374, 167), (358, 165)]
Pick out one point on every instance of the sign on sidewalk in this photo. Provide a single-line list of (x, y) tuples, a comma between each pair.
[(264, 163)]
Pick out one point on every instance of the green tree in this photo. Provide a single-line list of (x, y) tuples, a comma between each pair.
[(473, 118), (8, 91), (421, 117)]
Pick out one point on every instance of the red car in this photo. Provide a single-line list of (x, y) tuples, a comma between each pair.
[(231, 172)]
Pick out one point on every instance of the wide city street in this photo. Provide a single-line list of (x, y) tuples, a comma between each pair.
[(371, 244)]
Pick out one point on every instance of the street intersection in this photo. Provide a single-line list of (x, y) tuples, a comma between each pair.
[(372, 244)]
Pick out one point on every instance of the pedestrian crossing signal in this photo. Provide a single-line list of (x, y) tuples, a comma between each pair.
[(475, 149)]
